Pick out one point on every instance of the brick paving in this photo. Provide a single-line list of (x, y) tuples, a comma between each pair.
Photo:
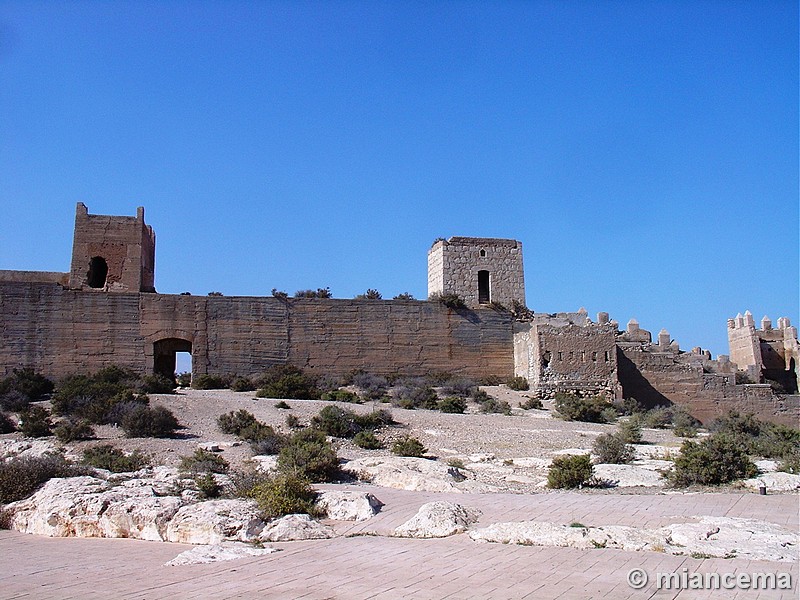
[(367, 566)]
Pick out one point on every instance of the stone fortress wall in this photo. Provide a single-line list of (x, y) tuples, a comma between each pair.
[(105, 311)]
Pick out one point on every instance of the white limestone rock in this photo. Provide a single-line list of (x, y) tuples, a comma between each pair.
[(265, 463), (716, 537), (90, 507), (629, 475), (777, 481), (438, 519), (413, 474), (203, 555), (348, 505), (215, 521), (27, 448), (295, 527)]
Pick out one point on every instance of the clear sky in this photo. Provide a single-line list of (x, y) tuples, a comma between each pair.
[(645, 153)]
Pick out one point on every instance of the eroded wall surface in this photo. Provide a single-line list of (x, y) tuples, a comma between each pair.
[(59, 331)]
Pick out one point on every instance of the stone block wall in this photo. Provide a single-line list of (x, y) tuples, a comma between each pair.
[(557, 356), (455, 266), (59, 331), (125, 244)]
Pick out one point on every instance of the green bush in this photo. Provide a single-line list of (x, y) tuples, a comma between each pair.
[(575, 408), (292, 421), (532, 403), (7, 425), (282, 495), (341, 396), (156, 384), (242, 384), (207, 486), (104, 397), (612, 448), (790, 463), (282, 405), (27, 382), (760, 438), (460, 387), (490, 404), (450, 300), (367, 441), (630, 431), (570, 471), (234, 423), (519, 384), (659, 417), (337, 422), (415, 393), (372, 386), (14, 401), (309, 455), (264, 439), (36, 422), (113, 459), (715, 460), (369, 295), (452, 404), (409, 446), (143, 421), (684, 424), (71, 431), (287, 381), (211, 382), (404, 296), (204, 461), (21, 477), (318, 293), (184, 379)]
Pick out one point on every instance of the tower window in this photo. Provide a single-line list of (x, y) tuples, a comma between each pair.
[(483, 253), (484, 295), (98, 271)]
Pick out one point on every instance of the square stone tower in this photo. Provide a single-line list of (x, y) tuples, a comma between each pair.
[(112, 254), (479, 270)]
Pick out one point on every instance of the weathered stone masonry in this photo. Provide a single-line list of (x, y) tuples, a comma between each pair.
[(105, 311)]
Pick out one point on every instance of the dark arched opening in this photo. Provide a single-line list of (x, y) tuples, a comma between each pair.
[(164, 355), (98, 271), (484, 295)]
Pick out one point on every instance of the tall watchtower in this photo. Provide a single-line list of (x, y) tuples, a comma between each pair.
[(112, 254), (479, 270)]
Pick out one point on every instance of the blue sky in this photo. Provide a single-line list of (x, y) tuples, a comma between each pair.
[(645, 153)]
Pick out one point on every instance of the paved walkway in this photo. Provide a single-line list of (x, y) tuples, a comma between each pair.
[(368, 566)]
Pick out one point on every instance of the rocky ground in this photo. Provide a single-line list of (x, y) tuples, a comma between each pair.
[(500, 454)]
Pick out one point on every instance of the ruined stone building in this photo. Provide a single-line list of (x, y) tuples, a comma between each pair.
[(106, 311)]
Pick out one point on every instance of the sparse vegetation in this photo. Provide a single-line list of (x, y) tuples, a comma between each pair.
[(343, 423), (532, 403), (263, 438), (572, 407), (409, 446), (404, 296), (415, 393), (207, 486), (107, 457), (73, 430), (341, 396), (21, 477), (283, 494), (318, 293), (372, 386), (460, 387), (287, 381), (27, 383), (630, 431), (611, 448), (715, 460), (452, 404), (310, 456), (370, 294), (519, 384), (7, 425), (211, 382), (204, 461), (156, 384), (143, 421), (367, 440), (242, 384), (490, 404), (36, 422), (282, 405), (450, 300), (570, 471)]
